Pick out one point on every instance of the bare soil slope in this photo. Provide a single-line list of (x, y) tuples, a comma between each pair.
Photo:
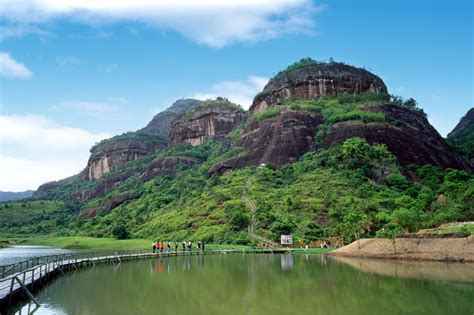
[(439, 249)]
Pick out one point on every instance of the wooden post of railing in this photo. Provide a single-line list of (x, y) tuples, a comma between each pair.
[(25, 290)]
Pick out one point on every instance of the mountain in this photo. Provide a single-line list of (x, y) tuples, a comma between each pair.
[(112, 153), (10, 195), (309, 79), (324, 151), (211, 120), (462, 136), (161, 122)]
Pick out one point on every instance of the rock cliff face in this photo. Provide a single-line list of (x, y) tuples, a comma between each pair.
[(44, 188), (462, 136), (165, 165), (316, 81), (205, 122), (276, 141), (116, 152), (161, 123), (464, 124), (407, 134)]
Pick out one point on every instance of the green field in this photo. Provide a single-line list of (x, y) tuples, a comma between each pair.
[(92, 243)]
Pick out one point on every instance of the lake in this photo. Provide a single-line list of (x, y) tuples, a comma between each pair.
[(262, 284), (13, 254)]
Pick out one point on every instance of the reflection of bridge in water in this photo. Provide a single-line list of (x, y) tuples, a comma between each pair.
[(19, 280)]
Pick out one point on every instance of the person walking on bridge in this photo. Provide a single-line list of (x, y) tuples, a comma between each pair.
[(169, 248), (184, 246), (153, 246), (176, 247), (190, 247)]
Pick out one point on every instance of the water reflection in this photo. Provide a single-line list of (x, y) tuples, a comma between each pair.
[(460, 272), (15, 254), (286, 262), (249, 284)]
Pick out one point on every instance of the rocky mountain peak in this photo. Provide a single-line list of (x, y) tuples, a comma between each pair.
[(309, 79), (462, 136), (161, 122), (212, 119)]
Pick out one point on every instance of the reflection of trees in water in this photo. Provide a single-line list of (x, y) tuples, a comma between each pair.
[(236, 284)]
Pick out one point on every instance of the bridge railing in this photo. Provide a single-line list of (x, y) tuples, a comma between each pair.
[(46, 264), (11, 269)]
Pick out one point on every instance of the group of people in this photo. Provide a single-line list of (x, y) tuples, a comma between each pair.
[(159, 247)]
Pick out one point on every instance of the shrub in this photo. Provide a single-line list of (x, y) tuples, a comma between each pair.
[(268, 113), (120, 232)]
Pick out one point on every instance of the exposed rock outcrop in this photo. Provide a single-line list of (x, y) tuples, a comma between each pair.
[(276, 141), (407, 134), (117, 151), (462, 136), (315, 81), (208, 121), (464, 124), (114, 152), (165, 165), (161, 122), (45, 188)]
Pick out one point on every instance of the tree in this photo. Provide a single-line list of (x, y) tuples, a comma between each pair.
[(120, 232)]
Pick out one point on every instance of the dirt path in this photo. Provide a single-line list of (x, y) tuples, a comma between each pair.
[(253, 211), (250, 204)]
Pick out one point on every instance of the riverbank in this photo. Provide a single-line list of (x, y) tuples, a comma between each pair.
[(91, 243), (416, 248)]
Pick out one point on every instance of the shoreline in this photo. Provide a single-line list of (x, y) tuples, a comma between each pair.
[(460, 249), (91, 243)]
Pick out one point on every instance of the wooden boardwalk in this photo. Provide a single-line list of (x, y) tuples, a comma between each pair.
[(16, 285)]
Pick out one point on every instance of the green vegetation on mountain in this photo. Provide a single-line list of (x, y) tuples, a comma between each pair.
[(464, 143), (223, 101), (347, 188), (218, 101), (350, 190), (306, 62), (132, 135), (462, 136)]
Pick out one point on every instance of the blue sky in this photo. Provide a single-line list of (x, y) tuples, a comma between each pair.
[(78, 71)]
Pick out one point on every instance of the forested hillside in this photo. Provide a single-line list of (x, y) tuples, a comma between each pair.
[(314, 158)]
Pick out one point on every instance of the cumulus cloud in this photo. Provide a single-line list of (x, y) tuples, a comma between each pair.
[(240, 92), (34, 150), (9, 67), (212, 22)]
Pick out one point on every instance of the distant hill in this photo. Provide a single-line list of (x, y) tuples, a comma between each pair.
[(15, 195), (462, 136)]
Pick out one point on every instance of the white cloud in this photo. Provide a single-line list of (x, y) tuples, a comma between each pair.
[(212, 22), (70, 61), (17, 31), (34, 150), (240, 92), (87, 108), (9, 67)]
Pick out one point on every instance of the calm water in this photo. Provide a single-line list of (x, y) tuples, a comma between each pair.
[(14, 254), (262, 284)]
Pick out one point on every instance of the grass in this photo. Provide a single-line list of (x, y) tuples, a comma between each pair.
[(466, 228), (81, 242), (92, 243)]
